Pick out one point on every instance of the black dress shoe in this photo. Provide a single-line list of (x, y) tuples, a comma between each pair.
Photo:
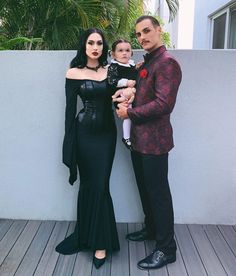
[(141, 235), (156, 260), (98, 262)]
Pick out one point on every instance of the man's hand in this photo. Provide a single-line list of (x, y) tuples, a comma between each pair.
[(122, 110), (139, 64)]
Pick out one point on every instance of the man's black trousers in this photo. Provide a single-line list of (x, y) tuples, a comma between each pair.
[(151, 172)]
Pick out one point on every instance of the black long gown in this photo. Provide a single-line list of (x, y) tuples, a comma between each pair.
[(89, 143)]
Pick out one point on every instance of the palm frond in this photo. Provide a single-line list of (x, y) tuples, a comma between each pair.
[(8, 44), (173, 6), (59, 23)]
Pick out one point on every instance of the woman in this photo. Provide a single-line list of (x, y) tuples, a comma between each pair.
[(89, 143)]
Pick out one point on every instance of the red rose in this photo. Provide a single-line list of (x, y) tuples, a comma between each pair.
[(143, 73)]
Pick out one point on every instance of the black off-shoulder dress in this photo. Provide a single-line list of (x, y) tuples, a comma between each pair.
[(89, 143)]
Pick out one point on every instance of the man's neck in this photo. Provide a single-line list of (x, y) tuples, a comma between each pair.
[(152, 50)]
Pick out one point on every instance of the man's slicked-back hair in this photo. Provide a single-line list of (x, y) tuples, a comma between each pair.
[(154, 21)]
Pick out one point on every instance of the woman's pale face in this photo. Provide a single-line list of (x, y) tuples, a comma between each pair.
[(94, 46)]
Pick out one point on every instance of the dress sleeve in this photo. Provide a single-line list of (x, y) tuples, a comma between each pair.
[(69, 142), (113, 75), (122, 82)]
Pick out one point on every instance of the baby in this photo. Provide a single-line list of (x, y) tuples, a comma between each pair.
[(122, 74)]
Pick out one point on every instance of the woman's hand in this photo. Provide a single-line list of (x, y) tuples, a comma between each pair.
[(118, 96), (122, 95)]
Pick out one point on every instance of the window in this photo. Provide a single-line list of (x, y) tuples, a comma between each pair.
[(232, 30), (224, 27), (219, 32)]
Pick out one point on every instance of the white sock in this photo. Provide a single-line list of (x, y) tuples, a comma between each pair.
[(126, 128)]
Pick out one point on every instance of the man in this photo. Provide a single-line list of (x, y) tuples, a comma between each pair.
[(151, 136)]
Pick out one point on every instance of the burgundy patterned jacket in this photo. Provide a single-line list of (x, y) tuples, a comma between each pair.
[(156, 90)]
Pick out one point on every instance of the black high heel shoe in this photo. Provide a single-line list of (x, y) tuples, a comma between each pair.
[(98, 262)]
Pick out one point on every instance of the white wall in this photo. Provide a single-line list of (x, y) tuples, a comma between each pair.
[(191, 28), (33, 180), (181, 29), (185, 24)]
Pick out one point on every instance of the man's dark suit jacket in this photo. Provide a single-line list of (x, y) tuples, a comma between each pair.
[(156, 90)]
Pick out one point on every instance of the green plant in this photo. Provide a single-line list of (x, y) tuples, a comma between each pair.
[(173, 6), (56, 25), (17, 42), (59, 23)]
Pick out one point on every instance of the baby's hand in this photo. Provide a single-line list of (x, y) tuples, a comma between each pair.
[(131, 99), (128, 92), (131, 83), (139, 64)]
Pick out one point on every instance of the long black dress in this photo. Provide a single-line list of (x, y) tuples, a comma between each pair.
[(89, 143)]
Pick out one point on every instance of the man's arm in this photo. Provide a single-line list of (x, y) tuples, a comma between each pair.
[(166, 87)]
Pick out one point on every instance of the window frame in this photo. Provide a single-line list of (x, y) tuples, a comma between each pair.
[(227, 9)]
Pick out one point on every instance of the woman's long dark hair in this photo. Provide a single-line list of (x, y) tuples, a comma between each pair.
[(80, 60)]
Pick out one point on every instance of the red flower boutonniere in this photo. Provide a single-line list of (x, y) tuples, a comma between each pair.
[(143, 73)]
